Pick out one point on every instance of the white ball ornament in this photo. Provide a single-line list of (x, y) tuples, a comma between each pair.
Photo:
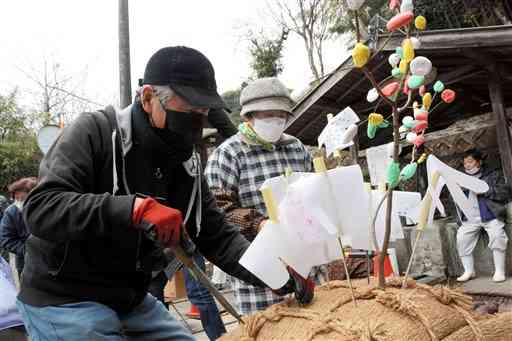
[(372, 95), (394, 59), (421, 66), (411, 137), (406, 6), (416, 43)]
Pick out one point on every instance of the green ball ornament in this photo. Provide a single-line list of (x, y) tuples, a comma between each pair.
[(415, 81), (438, 86), (393, 174), (400, 51), (396, 72), (408, 171)]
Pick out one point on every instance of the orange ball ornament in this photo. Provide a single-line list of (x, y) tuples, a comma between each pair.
[(448, 96)]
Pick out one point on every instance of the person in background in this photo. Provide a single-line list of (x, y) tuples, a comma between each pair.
[(239, 166), (4, 203), (11, 324), (489, 212), (13, 231)]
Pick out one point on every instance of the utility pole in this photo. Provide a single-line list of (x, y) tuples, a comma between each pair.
[(124, 55)]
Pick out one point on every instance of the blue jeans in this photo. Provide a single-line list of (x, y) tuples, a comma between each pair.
[(203, 300), (91, 321)]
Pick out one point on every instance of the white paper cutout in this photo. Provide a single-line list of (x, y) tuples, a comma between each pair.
[(378, 160), (455, 181), (334, 136)]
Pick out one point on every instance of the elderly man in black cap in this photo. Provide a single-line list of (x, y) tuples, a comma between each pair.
[(88, 262)]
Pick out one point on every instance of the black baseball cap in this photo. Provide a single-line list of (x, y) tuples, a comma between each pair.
[(188, 72)]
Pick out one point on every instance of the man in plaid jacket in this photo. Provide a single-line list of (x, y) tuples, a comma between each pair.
[(239, 166)]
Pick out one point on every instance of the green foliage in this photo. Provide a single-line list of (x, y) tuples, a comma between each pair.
[(232, 99), (19, 154), (266, 54), (461, 13), (342, 18)]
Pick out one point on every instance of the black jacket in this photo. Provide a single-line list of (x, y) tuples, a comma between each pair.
[(13, 234), (82, 246)]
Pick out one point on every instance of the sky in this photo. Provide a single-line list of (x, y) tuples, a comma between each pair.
[(81, 36)]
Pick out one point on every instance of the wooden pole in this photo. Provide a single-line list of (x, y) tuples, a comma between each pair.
[(125, 90), (502, 126)]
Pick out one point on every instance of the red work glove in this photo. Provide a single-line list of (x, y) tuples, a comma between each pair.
[(167, 221), (304, 289)]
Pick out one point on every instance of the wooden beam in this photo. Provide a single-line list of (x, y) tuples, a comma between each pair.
[(459, 74), (307, 126), (502, 126), (491, 36)]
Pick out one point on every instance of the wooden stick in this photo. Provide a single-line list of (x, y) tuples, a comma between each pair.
[(320, 167), (422, 222)]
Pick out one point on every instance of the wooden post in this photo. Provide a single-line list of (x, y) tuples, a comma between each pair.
[(502, 127)]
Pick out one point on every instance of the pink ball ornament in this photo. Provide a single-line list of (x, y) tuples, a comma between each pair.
[(421, 115), (448, 96), (411, 137), (399, 20), (420, 126), (390, 89), (423, 90), (419, 141)]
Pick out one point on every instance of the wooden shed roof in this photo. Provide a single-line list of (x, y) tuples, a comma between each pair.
[(463, 59)]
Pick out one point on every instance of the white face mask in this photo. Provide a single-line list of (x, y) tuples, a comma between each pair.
[(473, 171), (269, 129), (18, 204)]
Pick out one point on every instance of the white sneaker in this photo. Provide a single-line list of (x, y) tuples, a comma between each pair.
[(466, 276)]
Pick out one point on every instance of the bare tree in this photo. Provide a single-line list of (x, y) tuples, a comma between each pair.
[(58, 95), (311, 20)]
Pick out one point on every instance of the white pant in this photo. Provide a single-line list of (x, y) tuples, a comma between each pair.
[(468, 233)]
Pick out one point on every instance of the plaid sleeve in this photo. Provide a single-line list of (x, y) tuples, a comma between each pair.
[(223, 174), (308, 159)]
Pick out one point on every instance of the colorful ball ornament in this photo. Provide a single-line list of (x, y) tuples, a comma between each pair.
[(421, 66), (416, 43), (448, 96), (355, 4), (406, 6), (438, 86), (372, 95), (394, 59), (403, 67), (390, 89), (421, 114), (399, 20), (375, 119), (420, 22), (419, 141), (408, 122), (399, 51), (411, 137), (427, 100), (408, 171), (415, 81), (394, 4), (420, 126), (360, 55), (408, 50), (406, 89), (393, 173), (422, 90)]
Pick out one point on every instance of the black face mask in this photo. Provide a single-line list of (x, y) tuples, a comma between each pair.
[(188, 125)]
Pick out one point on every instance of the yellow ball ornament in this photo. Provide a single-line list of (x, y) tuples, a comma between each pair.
[(375, 119), (427, 100), (360, 55), (420, 22), (408, 48)]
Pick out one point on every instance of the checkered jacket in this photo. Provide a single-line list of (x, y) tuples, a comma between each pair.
[(235, 172)]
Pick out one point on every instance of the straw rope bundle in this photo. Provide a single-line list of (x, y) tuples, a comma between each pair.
[(417, 313)]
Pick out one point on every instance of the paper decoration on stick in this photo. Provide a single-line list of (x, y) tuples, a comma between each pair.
[(339, 132), (274, 242), (455, 181)]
